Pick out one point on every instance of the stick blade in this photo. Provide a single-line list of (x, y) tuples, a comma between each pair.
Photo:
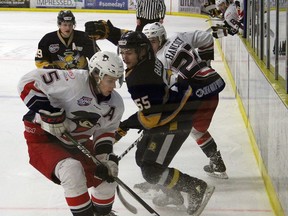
[(127, 205)]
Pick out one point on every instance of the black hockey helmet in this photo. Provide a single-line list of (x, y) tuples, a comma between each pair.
[(136, 40), (65, 16)]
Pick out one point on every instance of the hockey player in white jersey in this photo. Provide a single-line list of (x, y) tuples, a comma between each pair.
[(233, 18), (178, 54), (85, 104)]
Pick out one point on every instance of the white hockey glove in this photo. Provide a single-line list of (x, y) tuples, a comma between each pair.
[(108, 169), (53, 123)]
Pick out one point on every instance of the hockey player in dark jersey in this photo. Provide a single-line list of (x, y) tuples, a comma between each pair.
[(65, 48), (165, 118), (178, 53)]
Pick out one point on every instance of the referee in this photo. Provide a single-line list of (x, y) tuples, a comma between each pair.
[(149, 11)]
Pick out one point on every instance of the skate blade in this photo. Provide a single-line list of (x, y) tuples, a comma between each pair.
[(208, 193), (220, 175)]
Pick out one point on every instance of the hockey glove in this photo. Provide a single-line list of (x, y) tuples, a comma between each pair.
[(121, 131), (51, 66), (53, 123), (219, 31), (108, 168), (97, 30)]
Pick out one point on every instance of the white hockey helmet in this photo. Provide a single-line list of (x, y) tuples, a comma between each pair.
[(157, 30), (106, 63)]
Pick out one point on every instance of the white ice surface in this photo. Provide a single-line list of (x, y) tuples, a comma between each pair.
[(25, 192)]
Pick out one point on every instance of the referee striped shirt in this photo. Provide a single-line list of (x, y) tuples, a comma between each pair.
[(150, 9)]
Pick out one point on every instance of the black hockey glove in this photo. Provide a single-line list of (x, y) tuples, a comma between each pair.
[(51, 66), (107, 170), (121, 131), (98, 30), (219, 31)]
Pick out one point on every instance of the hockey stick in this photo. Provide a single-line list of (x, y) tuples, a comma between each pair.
[(96, 48), (130, 147), (122, 184), (214, 19)]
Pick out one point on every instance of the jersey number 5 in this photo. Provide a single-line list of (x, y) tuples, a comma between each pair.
[(50, 77)]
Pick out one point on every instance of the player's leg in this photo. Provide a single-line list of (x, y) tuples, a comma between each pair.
[(56, 163), (201, 122), (71, 174), (102, 193), (103, 198), (153, 156)]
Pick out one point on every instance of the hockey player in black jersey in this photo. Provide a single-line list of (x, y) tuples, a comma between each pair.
[(184, 55), (165, 118), (65, 48)]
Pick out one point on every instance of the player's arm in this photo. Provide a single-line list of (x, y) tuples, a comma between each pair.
[(42, 59), (162, 11), (88, 46), (151, 113), (139, 9), (103, 151), (153, 107), (219, 31), (103, 140), (53, 119), (34, 94), (204, 42)]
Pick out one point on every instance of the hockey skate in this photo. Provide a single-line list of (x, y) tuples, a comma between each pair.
[(168, 197), (216, 167), (144, 187), (198, 199), (147, 190)]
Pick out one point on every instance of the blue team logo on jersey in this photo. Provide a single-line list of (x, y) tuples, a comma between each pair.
[(84, 101)]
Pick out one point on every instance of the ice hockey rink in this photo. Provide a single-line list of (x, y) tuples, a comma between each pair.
[(25, 192)]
